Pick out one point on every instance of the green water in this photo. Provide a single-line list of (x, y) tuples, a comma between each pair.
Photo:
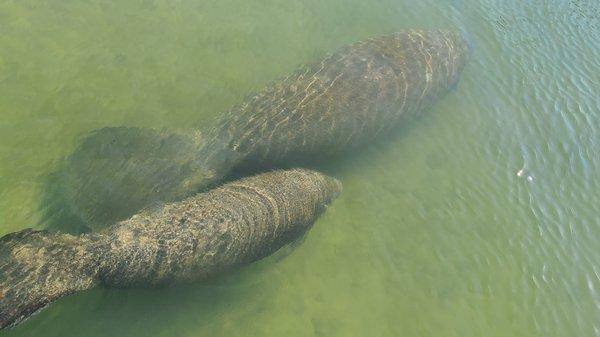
[(435, 234)]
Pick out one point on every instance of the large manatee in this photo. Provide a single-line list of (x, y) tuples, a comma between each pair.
[(339, 103), (192, 239)]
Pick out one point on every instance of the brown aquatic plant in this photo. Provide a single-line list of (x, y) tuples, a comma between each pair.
[(189, 240), (337, 104)]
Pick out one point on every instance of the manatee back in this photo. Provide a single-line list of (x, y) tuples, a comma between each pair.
[(347, 99)]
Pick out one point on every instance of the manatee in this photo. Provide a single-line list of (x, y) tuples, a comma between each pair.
[(193, 239), (337, 104)]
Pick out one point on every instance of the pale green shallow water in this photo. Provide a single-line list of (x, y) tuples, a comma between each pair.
[(434, 234)]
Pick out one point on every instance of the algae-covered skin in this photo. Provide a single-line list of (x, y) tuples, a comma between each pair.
[(339, 103), (193, 239)]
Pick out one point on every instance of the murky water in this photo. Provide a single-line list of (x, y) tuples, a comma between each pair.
[(435, 234)]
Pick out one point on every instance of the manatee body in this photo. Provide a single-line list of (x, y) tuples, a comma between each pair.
[(345, 100), (337, 104), (193, 239)]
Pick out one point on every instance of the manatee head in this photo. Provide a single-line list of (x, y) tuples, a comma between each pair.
[(453, 50), (441, 53), (116, 171)]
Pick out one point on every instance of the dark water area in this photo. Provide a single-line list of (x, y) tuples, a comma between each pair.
[(478, 218)]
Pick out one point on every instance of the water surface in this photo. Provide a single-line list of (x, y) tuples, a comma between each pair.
[(435, 234)]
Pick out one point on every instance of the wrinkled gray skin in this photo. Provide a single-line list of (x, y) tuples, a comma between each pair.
[(193, 239), (337, 104)]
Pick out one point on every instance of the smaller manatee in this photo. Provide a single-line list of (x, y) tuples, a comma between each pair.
[(193, 239)]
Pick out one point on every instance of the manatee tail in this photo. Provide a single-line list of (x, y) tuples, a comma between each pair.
[(38, 267), (116, 171)]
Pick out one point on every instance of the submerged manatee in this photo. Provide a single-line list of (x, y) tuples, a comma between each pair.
[(339, 103), (193, 239)]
